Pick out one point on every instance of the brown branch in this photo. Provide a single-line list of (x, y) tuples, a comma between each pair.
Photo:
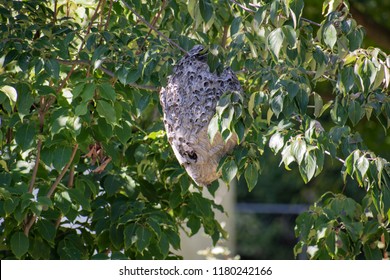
[(33, 218), (94, 16), (224, 37), (28, 226), (59, 178), (154, 21), (35, 170), (109, 15), (63, 83), (153, 28)]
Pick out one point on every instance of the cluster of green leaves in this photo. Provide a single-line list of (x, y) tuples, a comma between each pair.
[(281, 58), (337, 227), (86, 170)]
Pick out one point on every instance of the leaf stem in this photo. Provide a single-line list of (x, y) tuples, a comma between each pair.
[(336, 157)]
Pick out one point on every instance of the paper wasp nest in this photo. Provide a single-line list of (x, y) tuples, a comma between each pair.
[(189, 102)]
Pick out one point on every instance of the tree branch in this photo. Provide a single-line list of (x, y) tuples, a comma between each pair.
[(153, 28), (154, 21), (59, 178), (336, 157), (35, 170), (33, 218)]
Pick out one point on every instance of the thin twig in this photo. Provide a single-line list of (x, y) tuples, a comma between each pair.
[(336, 157), (33, 218), (224, 37), (310, 21), (94, 16), (109, 15), (242, 6), (59, 178), (154, 21), (35, 170), (153, 28), (28, 226)]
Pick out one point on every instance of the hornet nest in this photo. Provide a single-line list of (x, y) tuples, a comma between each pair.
[(189, 102)]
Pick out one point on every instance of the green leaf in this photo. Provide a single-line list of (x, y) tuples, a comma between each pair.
[(175, 198), (129, 235), (107, 111), (107, 92), (235, 26), (19, 244), (78, 195), (298, 149), (362, 165), (88, 92), (47, 230), (81, 109), (61, 157), (277, 104), (275, 42), (71, 248), (25, 135), (206, 9), (290, 35), (330, 35), (194, 224), (44, 201), (366, 72), (296, 8), (229, 171), (10, 205), (318, 104), (173, 238), (132, 76), (164, 244), (212, 128), (53, 68), (372, 253), (355, 112), (11, 93), (308, 167), (144, 236), (276, 142), (25, 101), (123, 132), (11, 55), (251, 175)]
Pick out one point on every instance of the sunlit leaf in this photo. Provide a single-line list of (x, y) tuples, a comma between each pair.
[(275, 41)]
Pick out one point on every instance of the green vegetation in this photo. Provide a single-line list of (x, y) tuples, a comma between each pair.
[(86, 171)]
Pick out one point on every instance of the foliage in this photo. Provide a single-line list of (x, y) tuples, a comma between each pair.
[(86, 170)]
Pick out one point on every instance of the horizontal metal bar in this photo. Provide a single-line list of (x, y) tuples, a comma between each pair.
[(271, 208)]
